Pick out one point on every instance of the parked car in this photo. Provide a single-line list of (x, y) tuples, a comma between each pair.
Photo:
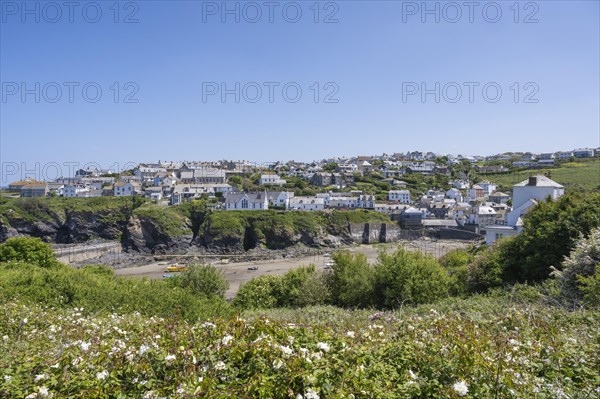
[(253, 268)]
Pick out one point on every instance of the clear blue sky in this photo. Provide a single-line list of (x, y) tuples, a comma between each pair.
[(369, 54)]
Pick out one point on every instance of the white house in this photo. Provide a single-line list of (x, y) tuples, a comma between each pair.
[(536, 187), (584, 153), (75, 190), (366, 201), (343, 202), (246, 201), (307, 203), (454, 194), (493, 233), (126, 189), (488, 187), (402, 196), (272, 180), (280, 198)]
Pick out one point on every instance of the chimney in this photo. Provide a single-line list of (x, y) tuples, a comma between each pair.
[(532, 180)]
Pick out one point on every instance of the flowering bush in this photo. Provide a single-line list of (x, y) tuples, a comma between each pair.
[(476, 348)]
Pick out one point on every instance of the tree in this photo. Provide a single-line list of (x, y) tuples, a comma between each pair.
[(330, 167), (235, 180), (29, 250), (551, 231)]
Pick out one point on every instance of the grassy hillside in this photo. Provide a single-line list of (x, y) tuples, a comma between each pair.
[(582, 173)]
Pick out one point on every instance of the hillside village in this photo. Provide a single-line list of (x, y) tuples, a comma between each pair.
[(419, 190)]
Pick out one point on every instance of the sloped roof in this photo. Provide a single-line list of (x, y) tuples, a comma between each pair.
[(542, 181)]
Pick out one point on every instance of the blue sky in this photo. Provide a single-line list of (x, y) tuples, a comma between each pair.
[(370, 58)]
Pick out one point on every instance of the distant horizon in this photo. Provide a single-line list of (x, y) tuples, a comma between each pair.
[(24, 170)]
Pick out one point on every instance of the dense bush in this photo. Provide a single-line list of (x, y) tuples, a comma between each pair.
[(488, 269), (97, 289), (405, 277), (259, 293), (29, 250), (456, 264), (298, 287), (351, 280), (205, 280)]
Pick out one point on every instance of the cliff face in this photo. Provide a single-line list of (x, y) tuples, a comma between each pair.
[(149, 228)]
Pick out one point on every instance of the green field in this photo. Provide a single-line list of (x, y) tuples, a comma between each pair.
[(582, 173)]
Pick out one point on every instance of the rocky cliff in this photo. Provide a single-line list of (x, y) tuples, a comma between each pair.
[(149, 228)]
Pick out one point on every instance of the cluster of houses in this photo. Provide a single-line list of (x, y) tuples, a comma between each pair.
[(479, 208)]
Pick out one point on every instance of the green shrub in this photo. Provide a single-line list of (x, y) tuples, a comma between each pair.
[(351, 280), (456, 264), (97, 289), (206, 280), (590, 287), (408, 277), (488, 269), (259, 293), (29, 250)]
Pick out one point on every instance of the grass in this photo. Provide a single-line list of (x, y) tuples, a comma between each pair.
[(583, 173)]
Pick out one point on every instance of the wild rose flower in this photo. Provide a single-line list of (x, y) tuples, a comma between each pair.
[(461, 388), (226, 340), (350, 334), (170, 358), (220, 365), (323, 346), (102, 375), (311, 394)]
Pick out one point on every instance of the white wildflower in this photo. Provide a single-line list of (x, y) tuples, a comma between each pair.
[(277, 364), (461, 388), (220, 365), (40, 377), (85, 346), (43, 392), (25, 320), (169, 358), (208, 324), (226, 340), (323, 346), (350, 334), (299, 396), (5, 338), (143, 349), (287, 351), (7, 378), (102, 375), (413, 376), (311, 394)]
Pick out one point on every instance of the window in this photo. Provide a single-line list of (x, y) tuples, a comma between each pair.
[(244, 203)]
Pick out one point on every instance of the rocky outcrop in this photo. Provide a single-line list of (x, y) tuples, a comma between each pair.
[(143, 235), (164, 231)]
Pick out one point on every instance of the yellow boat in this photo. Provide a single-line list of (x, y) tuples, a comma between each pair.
[(177, 268)]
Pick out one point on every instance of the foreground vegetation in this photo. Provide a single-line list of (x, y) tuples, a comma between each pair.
[(478, 348), (405, 326)]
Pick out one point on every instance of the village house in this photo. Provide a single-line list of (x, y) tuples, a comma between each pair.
[(126, 189), (583, 153), (280, 198), (499, 197), (34, 190), (454, 194), (271, 180), (16, 186), (246, 201), (476, 193), (402, 196), (307, 203)]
